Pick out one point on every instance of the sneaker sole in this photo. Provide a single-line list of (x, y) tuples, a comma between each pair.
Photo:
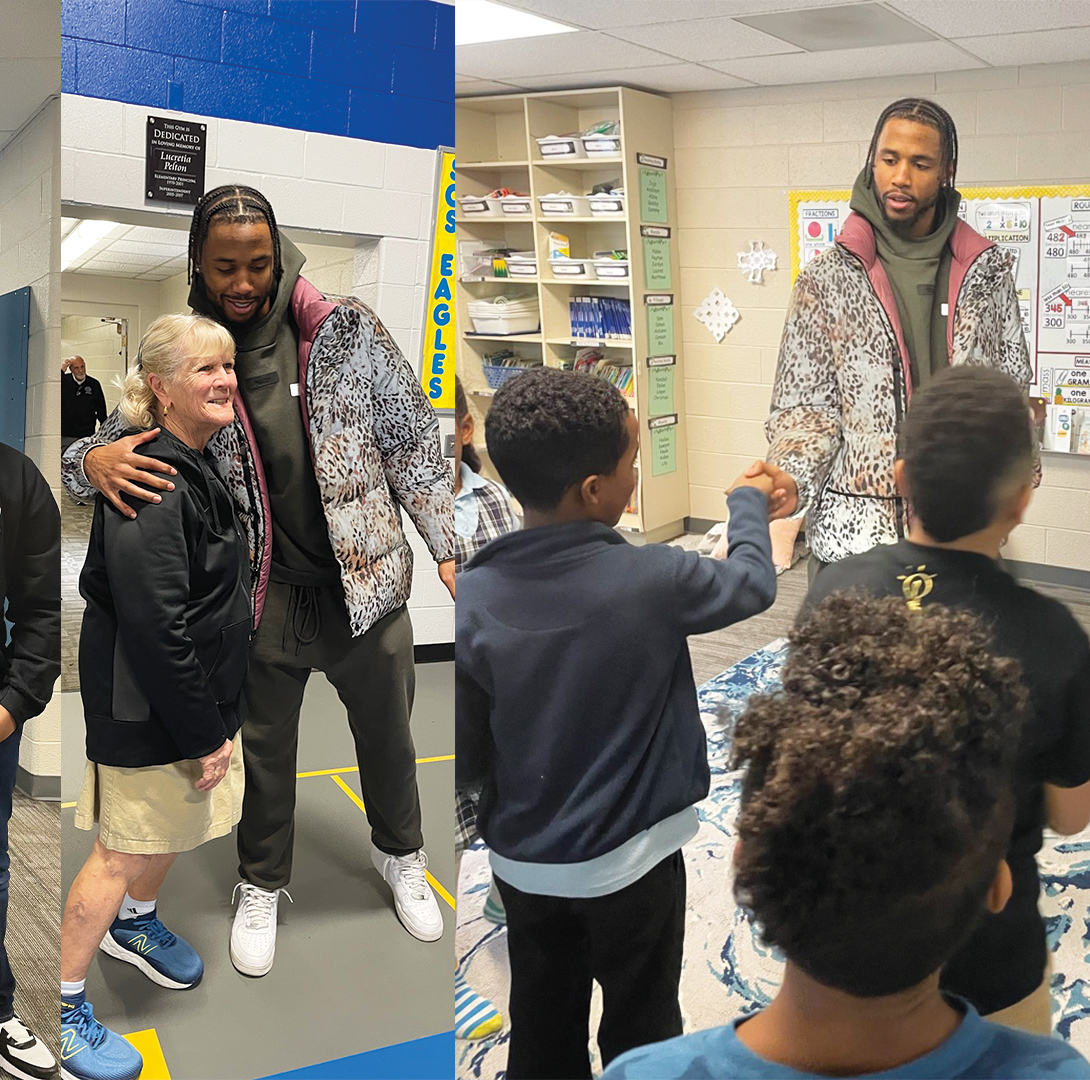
[(250, 969), (119, 952), (9, 1068), (66, 1075), (420, 935)]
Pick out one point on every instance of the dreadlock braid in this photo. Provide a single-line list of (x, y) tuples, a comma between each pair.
[(232, 203), (926, 112)]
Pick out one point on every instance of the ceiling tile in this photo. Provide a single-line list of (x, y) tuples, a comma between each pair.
[(576, 54), (965, 20), (1035, 47), (608, 14), (667, 79), (848, 26), (704, 39), (849, 64)]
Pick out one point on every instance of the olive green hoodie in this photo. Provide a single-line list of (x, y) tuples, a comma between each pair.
[(918, 271)]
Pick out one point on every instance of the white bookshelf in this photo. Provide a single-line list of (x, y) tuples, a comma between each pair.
[(497, 147)]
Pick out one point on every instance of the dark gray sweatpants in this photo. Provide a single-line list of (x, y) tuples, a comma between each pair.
[(304, 628)]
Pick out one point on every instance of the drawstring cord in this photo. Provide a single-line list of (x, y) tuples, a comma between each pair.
[(304, 617)]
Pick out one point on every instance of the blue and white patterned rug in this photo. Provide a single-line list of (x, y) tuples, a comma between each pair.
[(727, 971)]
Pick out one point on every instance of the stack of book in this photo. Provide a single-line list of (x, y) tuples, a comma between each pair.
[(600, 318)]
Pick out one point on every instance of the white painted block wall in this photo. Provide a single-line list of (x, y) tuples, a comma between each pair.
[(738, 152), (380, 193), (29, 255)]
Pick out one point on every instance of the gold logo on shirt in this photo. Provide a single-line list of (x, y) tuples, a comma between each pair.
[(916, 586)]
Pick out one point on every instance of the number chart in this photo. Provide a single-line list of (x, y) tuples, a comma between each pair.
[(1045, 230)]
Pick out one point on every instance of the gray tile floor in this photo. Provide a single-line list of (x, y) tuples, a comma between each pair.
[(347, 978)]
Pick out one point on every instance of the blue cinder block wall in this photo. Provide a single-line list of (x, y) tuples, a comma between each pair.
[(369, 69)]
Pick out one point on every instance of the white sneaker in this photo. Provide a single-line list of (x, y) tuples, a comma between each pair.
[(22, 1054), (253, 934), (413, 899)]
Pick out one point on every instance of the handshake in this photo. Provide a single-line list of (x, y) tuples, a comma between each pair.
[(779, 487)]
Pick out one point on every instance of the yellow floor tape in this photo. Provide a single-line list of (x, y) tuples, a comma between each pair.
[(427, 873), (155, 1066)]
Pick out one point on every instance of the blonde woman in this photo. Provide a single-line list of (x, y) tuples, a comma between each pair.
[(162, 661)]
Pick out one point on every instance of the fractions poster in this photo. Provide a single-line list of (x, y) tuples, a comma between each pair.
[(1046, 231)]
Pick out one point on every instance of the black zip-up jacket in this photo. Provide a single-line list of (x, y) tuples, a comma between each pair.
[(30, 581), (168, 620), (81, 405), (575, 707)]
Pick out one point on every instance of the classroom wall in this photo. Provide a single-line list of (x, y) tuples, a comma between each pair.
[(29, 255), (738, 152), (370, 69)]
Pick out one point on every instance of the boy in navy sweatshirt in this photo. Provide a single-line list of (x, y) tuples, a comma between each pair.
[(576, 712)]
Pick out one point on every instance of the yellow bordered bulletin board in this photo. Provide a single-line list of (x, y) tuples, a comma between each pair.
[(1046, 229)]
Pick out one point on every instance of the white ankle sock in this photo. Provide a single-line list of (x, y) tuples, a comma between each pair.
[(72, 989), (131, 909)]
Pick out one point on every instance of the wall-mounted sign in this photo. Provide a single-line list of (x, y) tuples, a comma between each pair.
[(174, 160), (437, 373)]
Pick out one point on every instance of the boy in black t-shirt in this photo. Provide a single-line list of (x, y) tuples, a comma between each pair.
[(966, 467)]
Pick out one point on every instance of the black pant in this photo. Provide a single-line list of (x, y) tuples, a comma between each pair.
[(630, 942), (304, 628)]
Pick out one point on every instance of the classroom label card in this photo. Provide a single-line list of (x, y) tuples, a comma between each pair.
[(656, 263), (653, 195), (660, 328), (664, 449), (660, 395)]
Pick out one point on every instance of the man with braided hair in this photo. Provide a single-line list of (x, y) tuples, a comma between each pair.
[(333, 432), (907, 290)]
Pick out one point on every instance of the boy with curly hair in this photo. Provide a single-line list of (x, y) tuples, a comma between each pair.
[(876, 808), (966, 462), (576, 711)]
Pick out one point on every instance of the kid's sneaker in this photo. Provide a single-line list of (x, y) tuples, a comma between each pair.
[(148, 945), (90, 1051)]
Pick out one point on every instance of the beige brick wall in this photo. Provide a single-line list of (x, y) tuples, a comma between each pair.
[(738, 152)]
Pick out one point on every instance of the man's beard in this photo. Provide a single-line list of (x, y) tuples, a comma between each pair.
[(904, 226), (234, 325)]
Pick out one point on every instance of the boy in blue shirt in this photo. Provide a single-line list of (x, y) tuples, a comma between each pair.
[(875, 815), (576, 712)]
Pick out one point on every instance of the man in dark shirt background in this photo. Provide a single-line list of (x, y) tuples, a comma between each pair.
[(83, 405)]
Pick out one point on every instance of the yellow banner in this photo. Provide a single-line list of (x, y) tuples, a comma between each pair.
[(437, 373)]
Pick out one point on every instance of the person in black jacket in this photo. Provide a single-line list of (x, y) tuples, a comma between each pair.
[(589, 750), (30, 661), (162, 662), (82, 402)]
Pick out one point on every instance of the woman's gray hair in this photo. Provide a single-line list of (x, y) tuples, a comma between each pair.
[(168, 343)]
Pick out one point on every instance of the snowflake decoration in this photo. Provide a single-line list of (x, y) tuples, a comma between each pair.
[(717, 313), (756, 261)]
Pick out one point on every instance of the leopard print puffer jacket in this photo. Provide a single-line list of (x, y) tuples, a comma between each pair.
[(841, 383)]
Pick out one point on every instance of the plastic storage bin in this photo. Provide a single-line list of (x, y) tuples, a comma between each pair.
[(564, 205), (561, 146), (601, 145), (479, 206), (504, 316), (606, 205), (612, 269), (517, 205), (582, 269), (522, 264), (497, 374)]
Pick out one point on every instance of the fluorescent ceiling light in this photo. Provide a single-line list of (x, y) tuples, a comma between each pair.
[(82, 238), (478, 21)]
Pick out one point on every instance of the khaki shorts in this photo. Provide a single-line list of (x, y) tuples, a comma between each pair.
[(156, 810)]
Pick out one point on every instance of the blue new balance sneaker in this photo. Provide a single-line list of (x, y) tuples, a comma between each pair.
[(148, 945), (90, 1051)]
